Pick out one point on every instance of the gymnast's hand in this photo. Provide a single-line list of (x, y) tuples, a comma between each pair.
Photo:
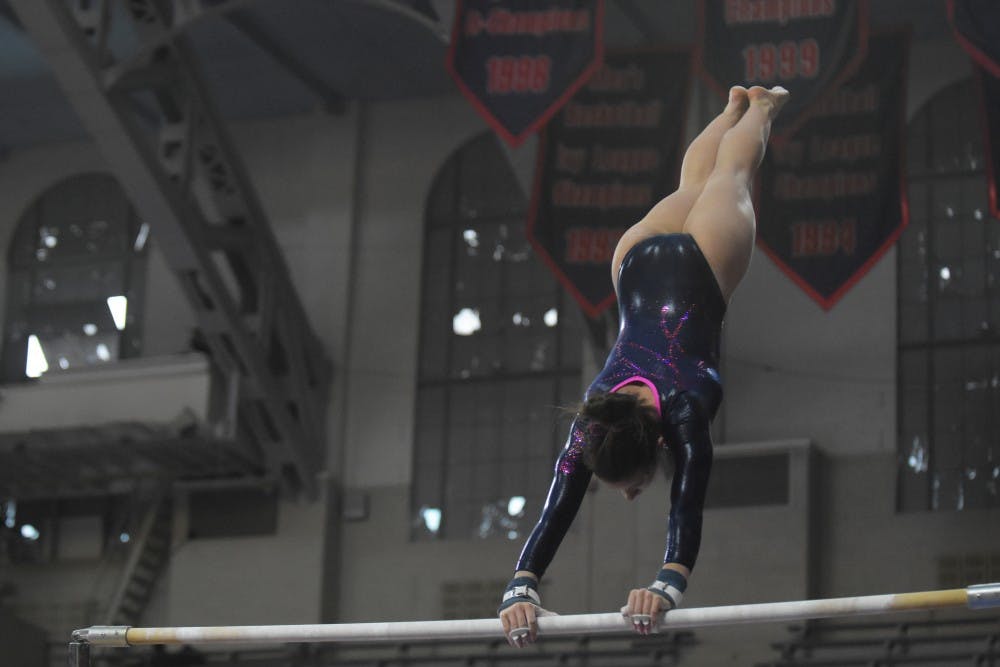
[(644, 608), (645, 605), (520, 624), (520, 608)]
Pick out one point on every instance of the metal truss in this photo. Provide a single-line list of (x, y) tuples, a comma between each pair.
[(130, 74)]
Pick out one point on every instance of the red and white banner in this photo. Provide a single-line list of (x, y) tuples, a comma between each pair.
[(831, 199), (990, 90), (807, 46), (976, 24), (604, 160), (518, 61)]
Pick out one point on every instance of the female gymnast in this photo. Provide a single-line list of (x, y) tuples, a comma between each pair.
[(674, 272)]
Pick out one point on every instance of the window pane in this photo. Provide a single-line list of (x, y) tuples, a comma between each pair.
[(74, 266), (949, 371), (499, 351)]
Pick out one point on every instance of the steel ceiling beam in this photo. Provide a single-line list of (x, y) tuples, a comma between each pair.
[(187, 14), (640, 20), (333, 101), (190, 13), (8, 14), (153, 119), (421, 19)]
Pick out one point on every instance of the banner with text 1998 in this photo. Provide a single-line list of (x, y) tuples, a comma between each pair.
[(807, 46), (518, 61), (604, 160), (832, 200)]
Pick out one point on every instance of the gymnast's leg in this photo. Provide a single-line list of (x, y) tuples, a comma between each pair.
[(722, 219), (699, 160)]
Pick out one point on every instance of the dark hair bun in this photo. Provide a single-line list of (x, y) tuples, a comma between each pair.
[(611, 408), (625, 433)]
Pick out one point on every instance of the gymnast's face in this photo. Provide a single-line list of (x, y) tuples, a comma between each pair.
[(632, 487)]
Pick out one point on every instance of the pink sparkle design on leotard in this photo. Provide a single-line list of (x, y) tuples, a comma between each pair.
[(633, 361), (665, 363), (571, 457)]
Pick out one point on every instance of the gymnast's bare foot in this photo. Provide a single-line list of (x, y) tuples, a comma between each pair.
[(773, 98), (738, 101)]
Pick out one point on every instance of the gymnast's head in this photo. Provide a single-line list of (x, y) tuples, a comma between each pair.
[(625, 452)]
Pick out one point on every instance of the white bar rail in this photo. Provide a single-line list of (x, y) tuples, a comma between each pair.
[(973, 597)]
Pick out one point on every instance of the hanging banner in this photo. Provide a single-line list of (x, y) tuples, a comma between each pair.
[(990, 87), (807, 46), (976, 24), (518, 61), (831, 199), (604, 160)]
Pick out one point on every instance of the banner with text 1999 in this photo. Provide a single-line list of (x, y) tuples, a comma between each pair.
[(807, 46), (518, 61), (604, 160), (832, 199)]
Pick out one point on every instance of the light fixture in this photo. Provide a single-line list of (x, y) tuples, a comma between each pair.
[(36, 364), (10, 514), (466, 322), (140, 238), (432, 518), (118, 305)]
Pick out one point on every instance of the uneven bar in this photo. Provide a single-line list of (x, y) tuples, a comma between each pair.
[(973, 597)]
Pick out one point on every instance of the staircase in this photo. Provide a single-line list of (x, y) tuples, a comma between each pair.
[(146, 561)]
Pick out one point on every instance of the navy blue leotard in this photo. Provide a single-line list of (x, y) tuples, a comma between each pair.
[(671, 311)]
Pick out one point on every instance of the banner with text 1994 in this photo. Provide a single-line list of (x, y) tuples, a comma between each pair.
[(831, 200)]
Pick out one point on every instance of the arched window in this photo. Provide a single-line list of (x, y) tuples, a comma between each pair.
[(949, 314), (500, 348), (75, 269)]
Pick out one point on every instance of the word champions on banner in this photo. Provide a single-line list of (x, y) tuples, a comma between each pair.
[(518, 61)]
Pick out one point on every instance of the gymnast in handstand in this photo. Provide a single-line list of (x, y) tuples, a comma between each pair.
[(674, 272)]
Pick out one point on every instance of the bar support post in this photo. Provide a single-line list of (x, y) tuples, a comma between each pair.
[(79, 654)]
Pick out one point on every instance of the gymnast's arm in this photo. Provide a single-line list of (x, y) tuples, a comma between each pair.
[(691, 446), (569, 486), (692, 450)]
